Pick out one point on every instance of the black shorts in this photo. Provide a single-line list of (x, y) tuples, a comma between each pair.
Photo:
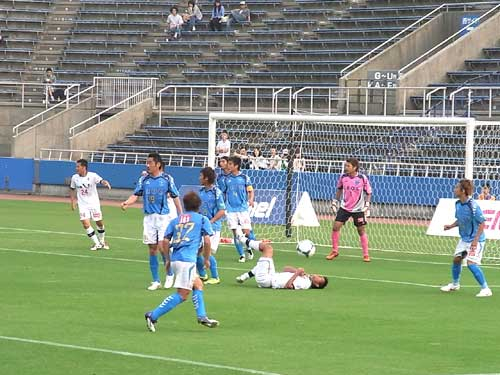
[(358, 218)]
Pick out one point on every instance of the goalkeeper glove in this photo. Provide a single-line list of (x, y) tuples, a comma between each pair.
[(335, 206)]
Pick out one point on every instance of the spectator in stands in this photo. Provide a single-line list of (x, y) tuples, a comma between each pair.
[(217, 14), (240, 16), (223, 147), (174, 23), (284, 159), (299, 163), (486, 193), (50, 79), (191, 16), (243, 155), (257, 161), (274, 160), (2, 40)]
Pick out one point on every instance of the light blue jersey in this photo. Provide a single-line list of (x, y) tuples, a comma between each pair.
[(185, 233), (154, 191), (469, 216), (221, 178), (236, 188), (212, 201)]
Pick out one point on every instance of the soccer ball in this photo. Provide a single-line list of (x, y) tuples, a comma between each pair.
[(306, 248)]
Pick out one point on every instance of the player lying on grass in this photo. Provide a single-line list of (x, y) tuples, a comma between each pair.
[(267, 277), (470, 222), (185, 233)]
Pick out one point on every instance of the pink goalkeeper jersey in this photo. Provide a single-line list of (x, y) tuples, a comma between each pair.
[(354, 191)]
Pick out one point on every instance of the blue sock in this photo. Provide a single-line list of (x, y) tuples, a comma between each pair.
[(153, 266), (200, 267), (456, 270), (238, 246), (168, 304), (478, 275), (213, 267), (251, 235), (199, 303)]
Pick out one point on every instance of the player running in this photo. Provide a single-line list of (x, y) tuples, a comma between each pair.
[(85, 184), (214, 208), (154, 188), (185, 233), (470, 222), (267, 277), (355, 191)]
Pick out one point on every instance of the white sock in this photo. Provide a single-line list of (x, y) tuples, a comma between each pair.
[(92, 235), (101, 233)]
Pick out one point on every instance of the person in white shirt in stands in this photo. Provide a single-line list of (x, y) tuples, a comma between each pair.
[(175, 23), (257, 160), (274, 161), (85, 184), (223, 147), (192, 16), (266, 275), (299, 163)]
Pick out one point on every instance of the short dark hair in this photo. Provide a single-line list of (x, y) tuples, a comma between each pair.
[(209, 174), (487, 185), (322, 286), (467, 186), (236, 160), (174, 7), (156, 157), (83, 163), (224, 131), (191, 2), (354, 162), (192, 201), (48, 70)]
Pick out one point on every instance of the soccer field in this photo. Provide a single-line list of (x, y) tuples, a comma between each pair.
[(65, 309)]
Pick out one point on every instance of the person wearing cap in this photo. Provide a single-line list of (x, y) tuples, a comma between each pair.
[(241, 15), (217, 15)]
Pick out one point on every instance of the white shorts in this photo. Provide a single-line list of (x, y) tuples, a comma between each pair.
[(473, 256), (214, 242), (155, 226), (239, 218), (185, 274), (264, 271), (87, 213)]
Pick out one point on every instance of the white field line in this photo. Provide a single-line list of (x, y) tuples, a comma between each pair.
[(396, 282), (137, 355), (278, 250)]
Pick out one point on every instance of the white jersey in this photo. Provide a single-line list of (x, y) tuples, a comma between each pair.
[(279, 280), (86, 189)]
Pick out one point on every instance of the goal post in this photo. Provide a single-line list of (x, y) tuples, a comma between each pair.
[(411, 162)]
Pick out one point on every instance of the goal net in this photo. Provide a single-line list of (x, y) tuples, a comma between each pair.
[(412, 163)]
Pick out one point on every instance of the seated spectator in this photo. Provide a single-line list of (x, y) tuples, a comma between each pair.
[(243, 155), (174, 24), (257, 160), (299, 163), (223, 147), (192, 16), (284, 159), (274, 161), (49, 80), (217, 14), (486, 193), (241, 15)]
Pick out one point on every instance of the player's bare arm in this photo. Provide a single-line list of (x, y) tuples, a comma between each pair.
[(298, 272), (450, 226), (130, 200), (480, 230), (207, 251), (219, 215), (72, 196), (251, 197), (289, 269), (178, 205), (106, 184)]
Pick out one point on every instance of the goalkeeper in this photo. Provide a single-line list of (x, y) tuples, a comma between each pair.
[(355, 191)]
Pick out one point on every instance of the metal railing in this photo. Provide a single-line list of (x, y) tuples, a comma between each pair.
[(113, 90), (451, 38), (333, 94), (142, 95), (31, 92), (116, 157), (222, 98)]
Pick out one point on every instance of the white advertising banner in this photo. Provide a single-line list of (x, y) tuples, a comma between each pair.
[(445, 214)]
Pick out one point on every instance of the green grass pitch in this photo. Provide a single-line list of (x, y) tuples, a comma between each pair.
[(66, 310)]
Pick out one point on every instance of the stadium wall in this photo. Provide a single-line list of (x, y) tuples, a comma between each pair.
[(52, 177), (11, 116)]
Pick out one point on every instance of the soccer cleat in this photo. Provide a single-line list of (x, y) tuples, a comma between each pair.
[(213, 281), (485, 292), (450, 287), (242, 259), (150, 322), (207, 322), (249, 254), (105, 246), (169, 282), (332, 255), (242, 278), (96, 247), (366, 258), (155, 285), (204, 278)]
